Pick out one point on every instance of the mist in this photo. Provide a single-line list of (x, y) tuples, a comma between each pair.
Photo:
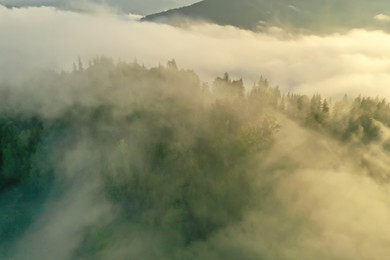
[(126, 140), (46, 38)]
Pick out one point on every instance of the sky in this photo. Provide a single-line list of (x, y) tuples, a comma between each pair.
[(46, 38)]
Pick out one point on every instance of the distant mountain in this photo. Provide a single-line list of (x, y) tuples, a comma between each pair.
[(310, 16), (125, 6)]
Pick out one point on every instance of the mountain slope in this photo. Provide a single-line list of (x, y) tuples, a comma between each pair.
[(126, 6), (319, 16)]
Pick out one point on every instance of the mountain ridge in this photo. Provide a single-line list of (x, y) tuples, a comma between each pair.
[(318, 16)]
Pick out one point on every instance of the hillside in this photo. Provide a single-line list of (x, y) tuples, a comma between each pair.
[(130, 155), (318, 16)]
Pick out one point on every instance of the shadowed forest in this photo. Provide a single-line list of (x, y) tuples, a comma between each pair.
[(115, 160)]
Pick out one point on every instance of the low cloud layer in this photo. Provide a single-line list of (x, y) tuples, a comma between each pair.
[(355, 63)]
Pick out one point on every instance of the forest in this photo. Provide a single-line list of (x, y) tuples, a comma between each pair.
[(115, 160)]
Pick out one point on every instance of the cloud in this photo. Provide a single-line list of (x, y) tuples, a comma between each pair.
[(46, 38), (335, 210), (382, 18)]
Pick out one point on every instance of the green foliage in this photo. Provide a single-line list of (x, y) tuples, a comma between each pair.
[(357, 121), (192, 188), (264, 95), (226, 88), (19, 140), (175, 158)]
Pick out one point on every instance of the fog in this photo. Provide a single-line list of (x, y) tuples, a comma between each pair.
[(144, 162), (356, 63)]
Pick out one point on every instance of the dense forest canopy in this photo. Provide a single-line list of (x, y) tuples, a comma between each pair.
[(118, 161)]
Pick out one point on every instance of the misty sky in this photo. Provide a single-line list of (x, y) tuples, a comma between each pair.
[(128, 6)]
